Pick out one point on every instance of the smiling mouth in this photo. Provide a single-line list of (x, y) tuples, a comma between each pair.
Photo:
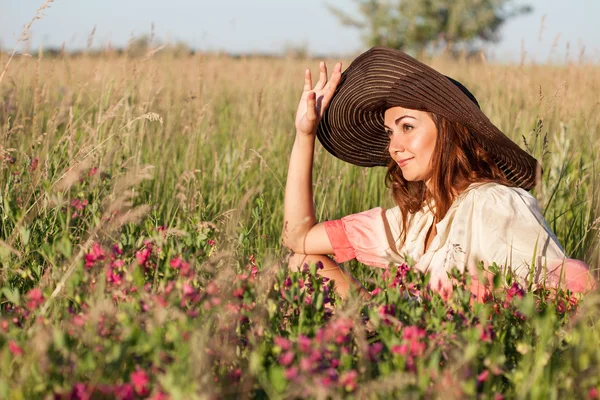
[(402, 163)]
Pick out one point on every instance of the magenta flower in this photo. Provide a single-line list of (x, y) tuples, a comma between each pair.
[(140, 381), (291, 373), (286, 358), (515, 290), (283, 343), (35, 298), (176, 262), (14, 348), (348, 380), (124, 392), (482, 377), (142, 256), (95, 254)]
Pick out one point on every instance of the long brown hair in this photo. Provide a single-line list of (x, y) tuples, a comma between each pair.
[(458, 160)]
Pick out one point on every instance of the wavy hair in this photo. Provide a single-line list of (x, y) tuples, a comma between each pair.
[(458, 160)]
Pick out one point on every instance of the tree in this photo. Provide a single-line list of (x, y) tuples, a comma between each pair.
[(419, 25)]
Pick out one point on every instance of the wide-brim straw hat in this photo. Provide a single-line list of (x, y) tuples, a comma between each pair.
[(352, 128)]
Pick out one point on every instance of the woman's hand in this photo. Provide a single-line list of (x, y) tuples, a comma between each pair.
[(314, 101)]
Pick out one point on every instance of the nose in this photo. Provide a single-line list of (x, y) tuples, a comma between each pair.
[(396, 145)]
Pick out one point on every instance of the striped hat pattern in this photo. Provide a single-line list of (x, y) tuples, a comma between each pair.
[(352, 126)]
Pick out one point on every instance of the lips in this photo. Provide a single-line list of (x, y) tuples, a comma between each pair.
[(402, 163)]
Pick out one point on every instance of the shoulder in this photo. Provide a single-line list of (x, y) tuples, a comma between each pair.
[(491, 195)]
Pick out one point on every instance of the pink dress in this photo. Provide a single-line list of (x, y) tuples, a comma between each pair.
[(487, 223)]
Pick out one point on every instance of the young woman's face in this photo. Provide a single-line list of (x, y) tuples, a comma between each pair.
[(413, 135)]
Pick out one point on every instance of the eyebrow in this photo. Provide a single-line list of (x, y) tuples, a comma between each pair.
[(397, 121)]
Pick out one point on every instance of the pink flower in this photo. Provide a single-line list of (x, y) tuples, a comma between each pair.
[(375, 349), (35, 297), (239, 293), (188, 289), (375, 291), (95, 254), (482, 377), (14, 348), (286, 358), (593, 393), (176, 262), (140, 381), (401, 349), (515, 290), (210, 242), (124, 392), (78, 204), (159, 396), (93, 171), (348, 380), (142, 256), (283, 343), (487, 334), (291, 373), (34, 163), (117, 250)]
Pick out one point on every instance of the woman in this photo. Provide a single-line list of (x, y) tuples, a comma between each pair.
[(460, 185)]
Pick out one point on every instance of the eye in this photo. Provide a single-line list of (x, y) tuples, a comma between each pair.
[(407, 127)]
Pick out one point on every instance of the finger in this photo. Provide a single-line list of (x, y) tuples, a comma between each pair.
[(332, 86), (311, 109), (307, 80), (322, 77)]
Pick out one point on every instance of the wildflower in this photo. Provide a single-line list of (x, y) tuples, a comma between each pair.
[(593, 393), (286, 358), (282, 343), (482, 377), (159, 396), (34, 163), (401, 349), (305, 343), (117, 250), (93, 171), (124, 392), (15, 348), (211, 242), (238, 293), (188, 289), (212, 288), (348, 380), (80, 392), (375, 291), (291, 373), (35, 298), (515, 290), (140, 381), (487, 333), (374, 350), (142, 256), (95, 254)]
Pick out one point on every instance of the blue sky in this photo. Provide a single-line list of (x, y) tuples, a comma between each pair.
[(243, 26)]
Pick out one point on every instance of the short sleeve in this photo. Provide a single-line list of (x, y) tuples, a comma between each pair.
[(508, 228), (366, 236)]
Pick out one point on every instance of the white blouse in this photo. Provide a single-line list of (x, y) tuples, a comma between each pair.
[(487, 223)]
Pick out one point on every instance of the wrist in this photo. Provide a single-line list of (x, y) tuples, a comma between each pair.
[(302, 137)]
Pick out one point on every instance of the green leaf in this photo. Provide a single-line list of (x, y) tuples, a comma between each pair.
[(25, 235), (277, 378), (12, 295)]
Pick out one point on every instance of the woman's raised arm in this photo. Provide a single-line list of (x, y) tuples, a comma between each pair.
[(301, 233)]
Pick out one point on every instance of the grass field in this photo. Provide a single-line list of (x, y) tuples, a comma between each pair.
[(141, 213)]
